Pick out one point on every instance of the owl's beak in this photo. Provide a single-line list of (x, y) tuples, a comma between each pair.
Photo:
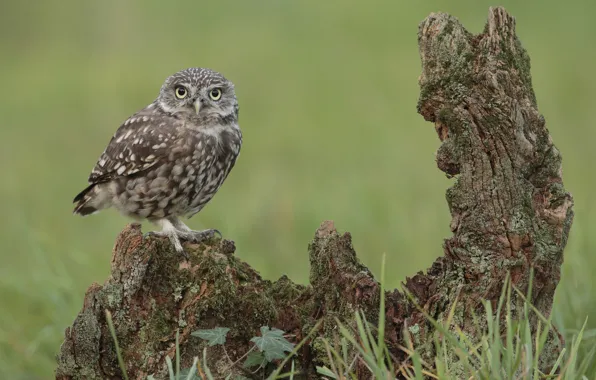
[(197, 104)]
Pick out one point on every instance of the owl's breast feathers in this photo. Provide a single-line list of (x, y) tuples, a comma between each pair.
[(214, 157), (155, 166)]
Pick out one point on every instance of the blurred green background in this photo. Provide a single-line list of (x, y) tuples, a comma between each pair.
[(327, 93)]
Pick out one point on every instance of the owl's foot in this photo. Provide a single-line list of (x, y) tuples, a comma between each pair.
[(171, 233), (176, 231), (198, 236)]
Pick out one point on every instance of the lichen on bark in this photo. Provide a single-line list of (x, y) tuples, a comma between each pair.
[(510, 215), (510, 212), (152, 293)]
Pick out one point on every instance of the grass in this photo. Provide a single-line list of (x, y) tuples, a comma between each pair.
[(502, 352), (327, 95), (495, 351)]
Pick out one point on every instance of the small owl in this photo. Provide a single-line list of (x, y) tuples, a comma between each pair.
[(170, 158)]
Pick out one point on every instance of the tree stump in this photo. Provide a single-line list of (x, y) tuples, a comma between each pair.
[(510, 215)]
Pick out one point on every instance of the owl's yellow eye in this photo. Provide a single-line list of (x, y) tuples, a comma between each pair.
[(215, 94), (181, 92)]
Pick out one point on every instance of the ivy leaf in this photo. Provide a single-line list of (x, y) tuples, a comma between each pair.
[(272, 343), (213, 336), (254, 359)]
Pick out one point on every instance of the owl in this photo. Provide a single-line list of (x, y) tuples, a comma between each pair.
[(169, 159)]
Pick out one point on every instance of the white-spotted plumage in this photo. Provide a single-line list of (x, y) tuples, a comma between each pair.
[(169, 159)]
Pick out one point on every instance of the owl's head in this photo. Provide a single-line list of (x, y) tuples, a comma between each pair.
[(199, 93)]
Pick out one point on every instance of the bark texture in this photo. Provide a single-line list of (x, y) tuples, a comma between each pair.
[(510, 213)]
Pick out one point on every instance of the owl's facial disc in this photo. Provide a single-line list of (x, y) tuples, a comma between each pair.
[(199, 94)]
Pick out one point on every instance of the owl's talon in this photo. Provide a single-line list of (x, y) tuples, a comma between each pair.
[(172, 236), (185, 254), (199, 236), (154, 234)]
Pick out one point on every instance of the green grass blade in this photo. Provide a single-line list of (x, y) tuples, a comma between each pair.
[(362, 333), (326, 372), (193, 368), (381, 327), (558, 362), (177, 353), (206, 367), (276, 373), (170, 368), (118, 353)]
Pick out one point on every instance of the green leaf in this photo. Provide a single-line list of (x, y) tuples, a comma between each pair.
[(213, 336), (272, 343), (255, 358)]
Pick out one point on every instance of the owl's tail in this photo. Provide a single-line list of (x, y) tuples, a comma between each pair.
[(90, 200)]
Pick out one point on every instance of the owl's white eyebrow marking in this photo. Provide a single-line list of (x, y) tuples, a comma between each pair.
[(166, 108), (183, 84)]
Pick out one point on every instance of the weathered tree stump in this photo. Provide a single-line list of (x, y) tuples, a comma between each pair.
[(510, 214)]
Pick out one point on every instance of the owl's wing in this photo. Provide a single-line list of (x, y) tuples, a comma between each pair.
[(141, 142)]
